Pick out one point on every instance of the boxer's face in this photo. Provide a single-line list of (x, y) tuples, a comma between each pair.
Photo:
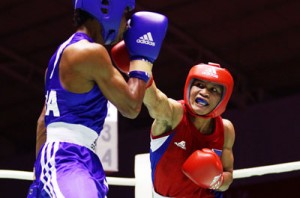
[(123, 26), (205, 96), (121, 30)]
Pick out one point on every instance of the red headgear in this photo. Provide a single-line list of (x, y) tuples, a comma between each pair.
[(211, 72)]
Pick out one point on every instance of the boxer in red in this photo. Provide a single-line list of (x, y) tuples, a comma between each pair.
[(191, 144)]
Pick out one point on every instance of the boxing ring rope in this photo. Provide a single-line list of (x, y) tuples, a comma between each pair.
[(142, 180), (269, 169), (28, 175)]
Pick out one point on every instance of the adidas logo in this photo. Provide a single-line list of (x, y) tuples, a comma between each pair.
[(211, 72), (146, 39), (93, 145), (180, 144)]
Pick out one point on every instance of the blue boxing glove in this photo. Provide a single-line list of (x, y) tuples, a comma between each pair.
[(145, 34)]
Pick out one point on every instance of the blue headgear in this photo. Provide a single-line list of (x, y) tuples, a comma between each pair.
[(108, 13)]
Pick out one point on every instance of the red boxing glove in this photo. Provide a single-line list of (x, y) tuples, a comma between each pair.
[(204, 168), (120, 57)]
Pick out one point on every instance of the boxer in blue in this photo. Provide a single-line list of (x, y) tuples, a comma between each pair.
[(79, 81)]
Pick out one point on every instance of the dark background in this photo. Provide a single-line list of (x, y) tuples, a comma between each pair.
[(258, 41)]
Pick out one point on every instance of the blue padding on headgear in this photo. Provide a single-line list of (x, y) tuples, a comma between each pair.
[(108, 13)]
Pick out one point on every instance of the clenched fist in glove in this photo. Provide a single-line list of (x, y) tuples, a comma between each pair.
[(145, 34), (204, 168), (142, 41), (120, 57)]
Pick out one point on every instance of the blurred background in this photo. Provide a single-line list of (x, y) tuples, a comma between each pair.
[(257, 41)]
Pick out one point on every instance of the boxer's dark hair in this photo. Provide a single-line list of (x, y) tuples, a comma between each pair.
[(80, 17)]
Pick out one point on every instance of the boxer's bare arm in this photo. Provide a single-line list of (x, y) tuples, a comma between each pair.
[(40, 131), (165, 111)]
